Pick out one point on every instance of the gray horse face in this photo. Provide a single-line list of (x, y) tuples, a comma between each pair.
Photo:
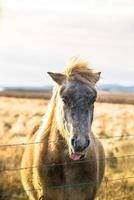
[(78, 104)]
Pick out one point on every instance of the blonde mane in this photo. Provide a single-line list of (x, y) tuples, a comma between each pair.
[(76, 70)]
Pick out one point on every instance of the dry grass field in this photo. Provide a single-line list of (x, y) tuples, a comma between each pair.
[(113, 123)]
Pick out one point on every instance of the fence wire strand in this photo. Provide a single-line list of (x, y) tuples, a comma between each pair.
[(64, 164), (63, 186), (55, 141)]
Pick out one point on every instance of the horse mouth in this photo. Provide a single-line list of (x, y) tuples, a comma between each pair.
[(77, 156)]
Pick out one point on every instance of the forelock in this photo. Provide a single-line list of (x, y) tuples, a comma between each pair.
[(80, 70)]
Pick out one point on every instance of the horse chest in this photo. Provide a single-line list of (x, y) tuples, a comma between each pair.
[(79, 173), (69, 179), (65, 174), (63, 178), (55, 175)]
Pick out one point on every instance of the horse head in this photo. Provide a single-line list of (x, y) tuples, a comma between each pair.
[(74, 108)]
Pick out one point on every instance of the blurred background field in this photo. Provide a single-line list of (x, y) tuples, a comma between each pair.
[(113, 124)]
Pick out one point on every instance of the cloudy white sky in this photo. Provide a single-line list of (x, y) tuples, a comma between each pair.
[(37, 36)]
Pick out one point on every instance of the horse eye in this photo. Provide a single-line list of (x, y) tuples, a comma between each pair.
[(65, 100)]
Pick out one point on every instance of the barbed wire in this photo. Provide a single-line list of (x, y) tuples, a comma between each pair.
[(56, 141), (65, 163)]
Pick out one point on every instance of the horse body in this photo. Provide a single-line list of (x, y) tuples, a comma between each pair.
[(66, 161)]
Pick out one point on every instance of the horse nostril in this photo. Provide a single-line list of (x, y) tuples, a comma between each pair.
[(87, 143), (74, 142)]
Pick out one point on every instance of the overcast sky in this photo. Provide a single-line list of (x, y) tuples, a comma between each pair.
[(37, 36)]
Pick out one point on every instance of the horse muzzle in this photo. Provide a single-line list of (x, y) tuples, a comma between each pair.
[(78, 148), (79, 145)]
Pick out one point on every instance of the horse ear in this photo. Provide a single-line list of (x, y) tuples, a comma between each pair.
[(57, 77), (97, 74)]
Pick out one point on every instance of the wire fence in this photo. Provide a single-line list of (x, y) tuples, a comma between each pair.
[(106, 180)]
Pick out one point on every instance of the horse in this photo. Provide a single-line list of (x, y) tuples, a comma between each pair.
[(64, 160)]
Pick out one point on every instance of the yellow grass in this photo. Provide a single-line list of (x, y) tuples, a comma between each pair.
[(113, 123)]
